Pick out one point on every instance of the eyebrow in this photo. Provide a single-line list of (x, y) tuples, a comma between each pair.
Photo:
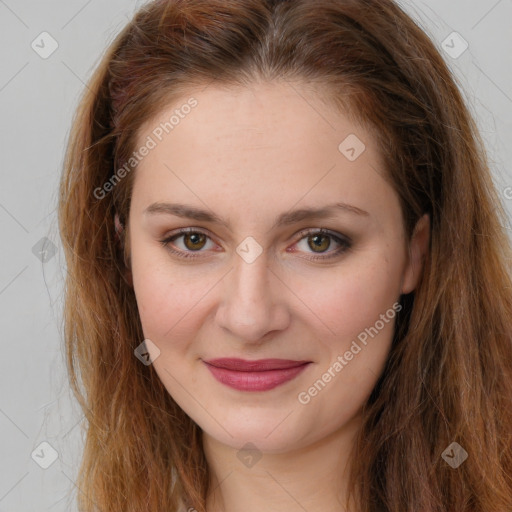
[(287, 218)]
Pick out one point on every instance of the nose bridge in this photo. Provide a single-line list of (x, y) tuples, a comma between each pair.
[(251, 279), (249, 307)]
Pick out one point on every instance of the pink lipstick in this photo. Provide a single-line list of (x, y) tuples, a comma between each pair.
[(260, 375)]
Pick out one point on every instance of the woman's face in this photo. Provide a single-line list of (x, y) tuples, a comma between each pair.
[(254, 280)]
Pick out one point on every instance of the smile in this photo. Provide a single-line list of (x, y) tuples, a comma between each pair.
[(261, 375)]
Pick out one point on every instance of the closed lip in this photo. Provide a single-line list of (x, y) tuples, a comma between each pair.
[(259, 365)]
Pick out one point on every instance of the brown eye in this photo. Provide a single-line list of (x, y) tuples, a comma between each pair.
[(187, 243), (194, 241), (319, 242)]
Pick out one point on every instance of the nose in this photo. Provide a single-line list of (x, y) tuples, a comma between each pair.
[(253, 301)]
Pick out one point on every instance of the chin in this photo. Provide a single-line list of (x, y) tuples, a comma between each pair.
[(266, 433), (254, 439)]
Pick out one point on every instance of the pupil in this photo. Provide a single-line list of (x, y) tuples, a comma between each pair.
[(194, 238), (317, 241)]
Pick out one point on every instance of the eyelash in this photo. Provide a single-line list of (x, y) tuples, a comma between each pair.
[(345, 243)]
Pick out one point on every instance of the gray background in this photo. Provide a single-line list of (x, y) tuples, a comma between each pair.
[(37, 100)]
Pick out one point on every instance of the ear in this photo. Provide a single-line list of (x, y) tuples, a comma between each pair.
[(123, 240), (418, 249), (119, 228)]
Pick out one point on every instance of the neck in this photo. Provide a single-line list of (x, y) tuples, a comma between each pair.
[(312, 478)]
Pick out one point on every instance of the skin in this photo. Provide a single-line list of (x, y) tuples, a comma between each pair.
[(249, 154)]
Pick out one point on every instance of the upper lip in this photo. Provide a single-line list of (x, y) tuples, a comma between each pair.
[(259, 365)]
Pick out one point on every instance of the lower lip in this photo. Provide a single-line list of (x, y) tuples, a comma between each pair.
[(255, 381)]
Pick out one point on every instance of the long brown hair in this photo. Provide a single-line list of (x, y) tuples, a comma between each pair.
[(448, 377)]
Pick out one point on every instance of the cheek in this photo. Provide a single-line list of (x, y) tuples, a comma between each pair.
[(167, 302), (156, 290), (357, 307), (345, 300)]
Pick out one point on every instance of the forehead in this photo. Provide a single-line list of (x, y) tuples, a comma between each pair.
[(263, 144), (263, 114)]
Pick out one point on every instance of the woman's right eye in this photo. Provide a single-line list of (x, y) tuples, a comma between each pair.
[(193, 241)]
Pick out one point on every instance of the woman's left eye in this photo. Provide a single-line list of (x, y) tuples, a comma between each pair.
[(321, 239), (318, 240)]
